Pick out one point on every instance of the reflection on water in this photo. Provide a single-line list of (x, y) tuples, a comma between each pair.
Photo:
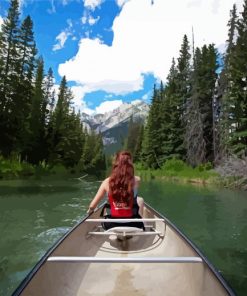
[(215, 220), (35, 214)]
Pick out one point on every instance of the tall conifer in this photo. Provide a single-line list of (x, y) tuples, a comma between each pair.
[(237, 91), (194, 140), (9, 57), (223, 99), (151, 142), (37, 129), (22, 100)]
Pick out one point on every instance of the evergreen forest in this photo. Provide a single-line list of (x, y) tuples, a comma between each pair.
[(37, 126), (199, 115)]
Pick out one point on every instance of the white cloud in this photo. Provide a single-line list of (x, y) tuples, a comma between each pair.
[(21, 3), (107, 106), (78, 92), (79, 104), (1, 21), (69, 22), (103, 76), (215, 6), (222, 48), (146, 96), (88, 19), (92, 4), (109, 96), (92, 20), (136, 102), (84, 19), (87, 110), (196, 3), (120, 3), (87, 33), (146, 37), (53, 8), (63, 36), (56, 88)]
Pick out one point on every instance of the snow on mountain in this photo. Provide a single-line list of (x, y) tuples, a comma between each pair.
[(103, 122), (114, 124)]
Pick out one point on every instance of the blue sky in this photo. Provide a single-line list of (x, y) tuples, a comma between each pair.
[(113, 51)]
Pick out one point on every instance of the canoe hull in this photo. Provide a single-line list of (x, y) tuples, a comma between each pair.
[(125, 278)]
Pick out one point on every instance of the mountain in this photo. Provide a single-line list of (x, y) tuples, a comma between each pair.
[(113, 125)]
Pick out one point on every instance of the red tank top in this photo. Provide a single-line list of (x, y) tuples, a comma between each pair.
[(120, 209)]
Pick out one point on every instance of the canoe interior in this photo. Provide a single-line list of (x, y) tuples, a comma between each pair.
[(76, 279)]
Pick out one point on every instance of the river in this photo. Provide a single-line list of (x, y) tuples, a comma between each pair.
[(36, 213)]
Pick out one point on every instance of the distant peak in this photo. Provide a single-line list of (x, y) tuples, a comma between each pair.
[(138, 109)]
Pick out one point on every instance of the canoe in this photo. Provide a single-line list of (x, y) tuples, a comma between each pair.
[(124, 261)]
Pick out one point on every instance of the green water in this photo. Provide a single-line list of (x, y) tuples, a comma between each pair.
[(34, 214)]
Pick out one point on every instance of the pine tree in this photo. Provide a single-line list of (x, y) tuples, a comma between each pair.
[(151, 142), (194, 140), (9, 57), (67, 137), (49, 95), (35, 152), (132, 136), (48, 106), (27, 49), (168, 114), (137, 156), (59, 123), (88, 151), (209, 68), (237, 91), (183, 93), (24, 87), (199, 115), (73, 140), (99, 161), (223, 101), (9, 38), (174, 101)]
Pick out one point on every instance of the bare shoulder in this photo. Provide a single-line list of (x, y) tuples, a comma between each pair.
[(137, 178), (106, 183), (137, 181)]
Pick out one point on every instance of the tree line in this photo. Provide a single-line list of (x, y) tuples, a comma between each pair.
[(200, 114), (36, 125)]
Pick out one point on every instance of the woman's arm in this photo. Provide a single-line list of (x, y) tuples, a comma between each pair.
[(98, 197)]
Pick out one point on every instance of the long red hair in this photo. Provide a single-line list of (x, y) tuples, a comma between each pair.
[(121, 183)]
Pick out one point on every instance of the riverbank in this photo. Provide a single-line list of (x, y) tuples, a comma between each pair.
[(177, 171), (233, 171), (230, 174), (12, 169)]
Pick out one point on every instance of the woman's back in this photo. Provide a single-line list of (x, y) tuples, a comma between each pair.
[(121, 187)]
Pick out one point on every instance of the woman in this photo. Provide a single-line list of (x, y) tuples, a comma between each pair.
[(121, 188)]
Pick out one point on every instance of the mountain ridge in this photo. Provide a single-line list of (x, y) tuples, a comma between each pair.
[(113, 125)]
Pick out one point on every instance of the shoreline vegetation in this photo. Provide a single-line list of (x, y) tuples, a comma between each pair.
[(230, 175), (11, 169)]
